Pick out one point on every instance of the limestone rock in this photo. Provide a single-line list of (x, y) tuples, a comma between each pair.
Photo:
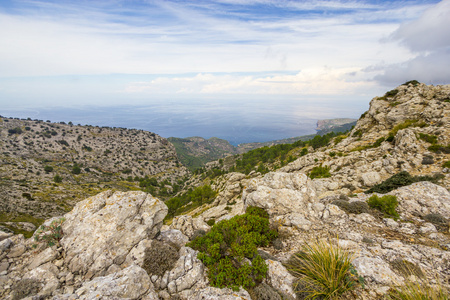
[(130, 283), (188, 225), (211, 293), (371, 178), (173, 236), (187, 275), (280, 278), (43, 257), (422, 198), (281, 193), (376, 270), (102, 230)]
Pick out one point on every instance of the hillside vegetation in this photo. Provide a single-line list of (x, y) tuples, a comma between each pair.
[(45, 167)]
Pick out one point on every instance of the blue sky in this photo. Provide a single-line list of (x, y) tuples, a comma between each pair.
[(117, 52)]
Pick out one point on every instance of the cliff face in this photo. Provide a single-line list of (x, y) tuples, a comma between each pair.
[(45, 168), (115, 246)]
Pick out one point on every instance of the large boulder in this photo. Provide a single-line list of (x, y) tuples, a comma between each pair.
[(422, 198), (101, 231), (130, 283), (281, 193)]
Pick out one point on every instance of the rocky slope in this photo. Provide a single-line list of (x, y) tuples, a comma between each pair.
[(115, 246), (45, 168)]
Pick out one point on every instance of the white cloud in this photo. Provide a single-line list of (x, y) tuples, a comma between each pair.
[(429, 32), (429, 39), (324, 81)]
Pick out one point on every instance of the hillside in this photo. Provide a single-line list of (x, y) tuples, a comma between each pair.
[(45, 168), (195, 152)]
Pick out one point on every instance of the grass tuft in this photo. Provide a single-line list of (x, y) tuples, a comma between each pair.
[(322, 271), (418, 291)]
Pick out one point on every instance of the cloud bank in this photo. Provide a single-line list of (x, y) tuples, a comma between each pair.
[(429, 39)]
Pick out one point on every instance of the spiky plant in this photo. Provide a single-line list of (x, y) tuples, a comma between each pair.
[(322, 271)]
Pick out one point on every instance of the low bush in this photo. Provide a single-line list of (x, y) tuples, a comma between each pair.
[(57, 178), (406, 124), (400, 179), (16, 130), (50, 234), (436, 148), (446, 164), (432, 139), (413, 82), (356, 207), (322, 271), (230, 245), (386, 204), (48, 169), (159, 258), (320, 172)]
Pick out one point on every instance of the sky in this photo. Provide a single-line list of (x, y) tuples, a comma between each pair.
[(310, 59)]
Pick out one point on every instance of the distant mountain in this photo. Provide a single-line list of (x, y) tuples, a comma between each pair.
[(335, 125), (195, 152)]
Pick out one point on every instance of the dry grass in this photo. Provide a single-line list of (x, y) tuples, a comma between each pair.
[(418, 291), (323, 271)]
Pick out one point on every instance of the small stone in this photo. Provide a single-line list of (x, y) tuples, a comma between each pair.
[(16, 251)]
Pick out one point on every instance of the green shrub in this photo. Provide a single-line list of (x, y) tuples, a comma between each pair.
[(16, 130), (320, 172), (413, 82), (406, 124), (57, 178), (76, 170), (446, 164), (432, 139), (225, 248), (50, 234), (159, 258), (400, 179), (48, 169), (386, 204), (391, 93), (338, 139), (322, 271), (439, 148)]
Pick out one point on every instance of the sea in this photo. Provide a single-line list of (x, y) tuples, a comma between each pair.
[(236, 121)]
